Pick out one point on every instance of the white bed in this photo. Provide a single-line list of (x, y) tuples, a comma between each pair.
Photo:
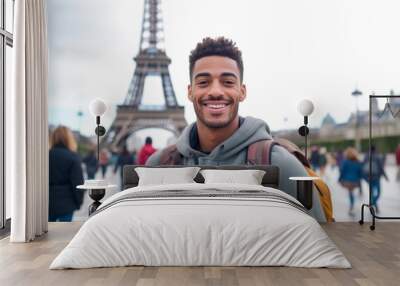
[(224, 225)]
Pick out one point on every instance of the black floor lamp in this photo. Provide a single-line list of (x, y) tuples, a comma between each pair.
[(305, 107), (305, 184), (97, 108), (97, 188)]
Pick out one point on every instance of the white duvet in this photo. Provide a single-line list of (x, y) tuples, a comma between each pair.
[(183, 231)]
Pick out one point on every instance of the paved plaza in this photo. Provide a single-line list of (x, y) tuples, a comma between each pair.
[(389, 203)]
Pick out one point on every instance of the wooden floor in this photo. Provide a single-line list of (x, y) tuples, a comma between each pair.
[(374, 255)]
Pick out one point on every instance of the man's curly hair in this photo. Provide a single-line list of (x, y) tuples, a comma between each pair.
[(216, 47)]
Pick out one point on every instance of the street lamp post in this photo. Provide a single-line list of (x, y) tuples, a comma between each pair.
[(79, 114), (305, 108), (356, 93)]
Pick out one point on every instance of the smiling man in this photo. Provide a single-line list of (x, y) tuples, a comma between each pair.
[(220, 136)]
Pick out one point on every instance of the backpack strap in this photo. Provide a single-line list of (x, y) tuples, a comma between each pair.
[(171, 156), (259, 153), (293, 149)]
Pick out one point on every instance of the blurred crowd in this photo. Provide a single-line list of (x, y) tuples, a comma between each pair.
[(354, 168), (67, 170), (116, 160)]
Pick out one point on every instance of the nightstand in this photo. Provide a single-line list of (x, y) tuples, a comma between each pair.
[(96, 193), (304, 190)]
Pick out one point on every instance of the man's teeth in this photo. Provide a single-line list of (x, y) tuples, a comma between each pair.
[(215, 105)]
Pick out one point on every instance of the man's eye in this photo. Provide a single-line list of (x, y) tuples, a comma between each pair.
[(203, 82), (229, 82)]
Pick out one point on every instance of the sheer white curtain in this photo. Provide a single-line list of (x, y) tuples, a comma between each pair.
[(27, 135)]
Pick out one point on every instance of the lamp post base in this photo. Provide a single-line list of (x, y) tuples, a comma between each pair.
[(96, 195)]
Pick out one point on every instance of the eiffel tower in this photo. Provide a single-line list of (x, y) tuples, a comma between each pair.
[(151, 60)]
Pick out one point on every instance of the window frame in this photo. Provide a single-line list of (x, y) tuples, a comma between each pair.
[(6, 39)]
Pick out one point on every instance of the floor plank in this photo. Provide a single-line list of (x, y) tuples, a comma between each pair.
[(374, 255)]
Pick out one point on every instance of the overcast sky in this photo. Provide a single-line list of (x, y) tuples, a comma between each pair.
[(292, 49)]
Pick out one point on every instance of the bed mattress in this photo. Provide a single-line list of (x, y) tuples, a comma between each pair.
[(201, 225)]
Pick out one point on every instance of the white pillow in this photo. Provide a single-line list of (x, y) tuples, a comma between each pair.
[(249, 177), (163, 176)]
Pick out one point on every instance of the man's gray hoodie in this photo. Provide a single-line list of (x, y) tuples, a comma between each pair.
[(233, 151)]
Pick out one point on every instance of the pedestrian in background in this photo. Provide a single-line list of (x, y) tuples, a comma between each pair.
[(314, 158), (91, 163), (103, 162), (146, 151), (339, 157), (350, 174), (323, 161), (331, 160), (398, 162), (124, 158), (65, 173), (113, 158), (377, 171)]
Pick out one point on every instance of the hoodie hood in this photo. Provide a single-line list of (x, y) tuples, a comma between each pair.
[(250, 131)]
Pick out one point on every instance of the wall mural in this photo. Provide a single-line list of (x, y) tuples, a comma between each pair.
[(288, 56)]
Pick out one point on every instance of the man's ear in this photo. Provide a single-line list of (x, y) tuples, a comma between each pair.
[(243, 92), (190, 96)]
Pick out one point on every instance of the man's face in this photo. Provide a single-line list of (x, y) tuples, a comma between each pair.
[(216, 90)]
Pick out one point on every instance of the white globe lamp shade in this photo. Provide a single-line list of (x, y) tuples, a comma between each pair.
[(305, 107), (97, 107)]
